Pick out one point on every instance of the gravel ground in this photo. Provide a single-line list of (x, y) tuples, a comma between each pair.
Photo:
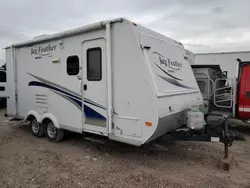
[(27, 161)]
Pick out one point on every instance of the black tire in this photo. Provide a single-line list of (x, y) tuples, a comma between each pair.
[(52, 133), (36, 128)]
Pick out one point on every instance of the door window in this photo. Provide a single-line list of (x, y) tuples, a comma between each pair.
[(94, 64)]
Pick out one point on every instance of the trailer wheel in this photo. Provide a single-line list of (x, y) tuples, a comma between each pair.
[(53, 134), (37, 128)]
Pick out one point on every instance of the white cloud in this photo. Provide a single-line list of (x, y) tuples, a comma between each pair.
[(214, 25)]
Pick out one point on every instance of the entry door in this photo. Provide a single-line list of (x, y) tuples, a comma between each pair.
[(94, 85), (3, 92)]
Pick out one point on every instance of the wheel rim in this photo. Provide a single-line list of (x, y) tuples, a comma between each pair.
[(51, 130), (35, 126)]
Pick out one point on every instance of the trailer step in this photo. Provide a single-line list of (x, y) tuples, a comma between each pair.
[(96, 140)]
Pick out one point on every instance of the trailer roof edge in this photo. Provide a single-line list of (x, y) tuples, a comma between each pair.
[(218, 53), (71, 32)]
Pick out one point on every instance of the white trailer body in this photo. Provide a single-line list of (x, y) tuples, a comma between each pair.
[(112, 78), (190, 57), (226, 60)]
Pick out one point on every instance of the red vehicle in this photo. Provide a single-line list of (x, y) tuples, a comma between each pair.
[(243, 91)]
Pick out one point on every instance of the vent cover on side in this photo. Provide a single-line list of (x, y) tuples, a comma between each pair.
[(41, 100)]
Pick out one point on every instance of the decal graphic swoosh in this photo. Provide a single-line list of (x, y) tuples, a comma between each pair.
[(48, 54), (164, 57), (55, 85), (77, 105), (174, 82), (75, 100), (67, 91), (168, 73)]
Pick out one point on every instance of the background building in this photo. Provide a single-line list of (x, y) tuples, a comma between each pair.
[(226, 60)]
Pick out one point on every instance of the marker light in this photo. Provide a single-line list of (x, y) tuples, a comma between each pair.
[(149, 124)]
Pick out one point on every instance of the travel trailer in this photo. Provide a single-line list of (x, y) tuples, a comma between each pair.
[(223, 95), (112, 78)]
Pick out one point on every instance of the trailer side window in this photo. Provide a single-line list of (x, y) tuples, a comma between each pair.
[(94, 64), (73, 65)]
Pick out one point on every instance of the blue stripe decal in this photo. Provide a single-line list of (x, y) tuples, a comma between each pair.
[(89, 112)]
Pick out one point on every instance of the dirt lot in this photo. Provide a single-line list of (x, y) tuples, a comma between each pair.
[(27, 161)]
